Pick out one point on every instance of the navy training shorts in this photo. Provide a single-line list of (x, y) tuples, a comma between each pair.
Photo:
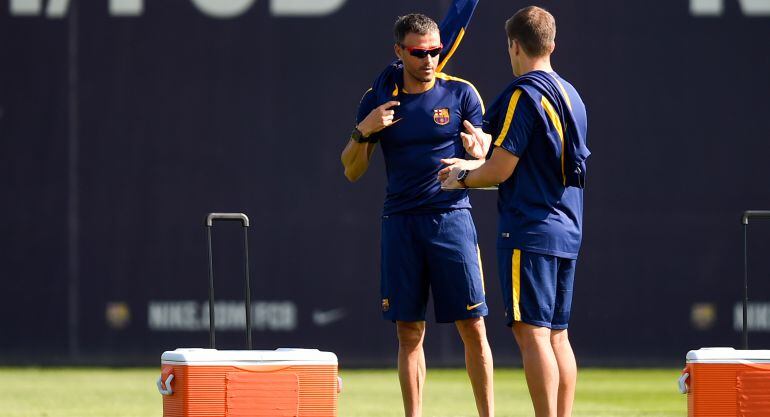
[(436, 251), (537, 289)]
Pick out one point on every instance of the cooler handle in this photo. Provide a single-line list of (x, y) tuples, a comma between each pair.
[(167, 390), (227, 216), (757, 214), (683, 387), (209, 224)]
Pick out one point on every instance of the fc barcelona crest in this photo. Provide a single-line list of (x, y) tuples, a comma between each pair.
[(441, 116)]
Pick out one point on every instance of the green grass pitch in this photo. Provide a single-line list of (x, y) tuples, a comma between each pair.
[(101, 392)]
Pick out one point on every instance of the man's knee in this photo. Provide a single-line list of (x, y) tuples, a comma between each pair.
[(528, 335), (559, 338), (472, 331), (410, 333)]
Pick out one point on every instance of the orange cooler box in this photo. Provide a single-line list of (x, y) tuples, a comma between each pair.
[(234, 383), (725, 382)]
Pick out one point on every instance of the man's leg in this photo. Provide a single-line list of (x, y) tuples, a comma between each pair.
[(411, 365), (478, 362), (540, 367), (404, 293), (565, 359), (562, 348), (457, 282)]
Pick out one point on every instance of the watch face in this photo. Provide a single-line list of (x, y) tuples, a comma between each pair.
[(356, 135), (462, 174)]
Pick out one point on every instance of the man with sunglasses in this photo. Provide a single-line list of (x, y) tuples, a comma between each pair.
[(539, 126), (428, 237)]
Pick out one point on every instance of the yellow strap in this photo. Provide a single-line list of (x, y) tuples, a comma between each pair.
[(451, 51), (508, 116), (557, 124)]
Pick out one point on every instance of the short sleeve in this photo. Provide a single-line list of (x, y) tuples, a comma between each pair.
[(473, 106), (517, 124), (367, 104)]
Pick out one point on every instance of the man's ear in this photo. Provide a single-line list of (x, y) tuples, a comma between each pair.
[(397, 51)]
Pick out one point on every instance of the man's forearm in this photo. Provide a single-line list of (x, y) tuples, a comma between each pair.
[(471, 164), (495, 170), (355, 158), (480, 177)]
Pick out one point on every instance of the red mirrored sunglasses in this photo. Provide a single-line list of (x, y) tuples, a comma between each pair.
[(421, 52)]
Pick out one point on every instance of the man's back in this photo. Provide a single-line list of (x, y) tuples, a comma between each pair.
[(538, 125), (537, 211)]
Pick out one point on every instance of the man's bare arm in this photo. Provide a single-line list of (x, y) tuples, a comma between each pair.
[(457, 163), (355, 157), (491, 172)]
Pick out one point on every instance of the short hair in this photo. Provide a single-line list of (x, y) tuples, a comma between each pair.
[(534, 28), (413, 23)]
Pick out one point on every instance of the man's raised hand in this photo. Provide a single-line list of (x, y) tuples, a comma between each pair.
[(475, 141), (378, 119)]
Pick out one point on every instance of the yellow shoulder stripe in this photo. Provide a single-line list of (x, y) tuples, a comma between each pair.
[(365, 93), (553, 116), (557, 124), (451, 51), (508, 116), (564, 91), (443, 76)]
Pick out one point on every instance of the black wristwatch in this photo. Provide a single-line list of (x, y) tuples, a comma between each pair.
[(357, 136), (461, 176)]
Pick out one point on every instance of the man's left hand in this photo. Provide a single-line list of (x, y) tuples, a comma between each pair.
[(475, 141), (451, 183), (448, 175)]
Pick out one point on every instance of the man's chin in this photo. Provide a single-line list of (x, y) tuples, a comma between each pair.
[(423, 77), (427, 79)]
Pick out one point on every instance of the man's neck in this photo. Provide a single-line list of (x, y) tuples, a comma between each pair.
[(415, 86), (539, 64)]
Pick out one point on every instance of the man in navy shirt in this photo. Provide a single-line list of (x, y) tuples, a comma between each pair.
[(428, 235), (539, 127)]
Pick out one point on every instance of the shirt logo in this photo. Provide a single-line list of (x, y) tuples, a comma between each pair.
[(385, 304), (441, 116), (473, 307)]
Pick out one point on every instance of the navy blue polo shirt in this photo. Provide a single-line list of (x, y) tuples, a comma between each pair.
[(427, 129)]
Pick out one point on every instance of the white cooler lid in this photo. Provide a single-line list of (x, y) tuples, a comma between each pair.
[(282, 355), (727, 355)]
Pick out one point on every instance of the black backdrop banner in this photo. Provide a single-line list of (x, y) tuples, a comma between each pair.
[(122, 123)]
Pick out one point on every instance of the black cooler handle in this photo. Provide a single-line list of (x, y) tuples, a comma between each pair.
[(748, 214), (210, 218)]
